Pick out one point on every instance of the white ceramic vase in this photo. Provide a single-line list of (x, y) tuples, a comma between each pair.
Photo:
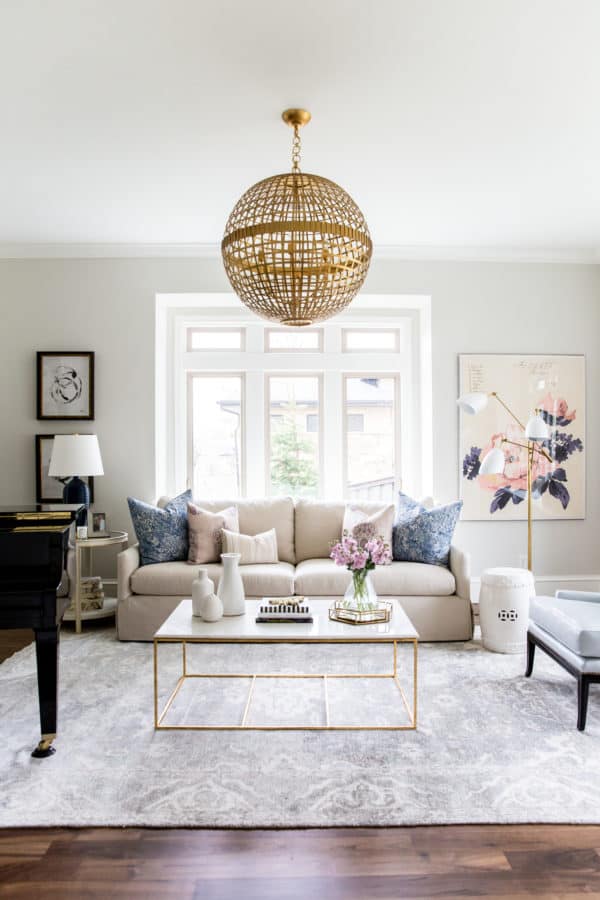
[(202, 587), (231, 586)]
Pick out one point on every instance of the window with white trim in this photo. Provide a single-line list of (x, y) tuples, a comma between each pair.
[(245, 408)]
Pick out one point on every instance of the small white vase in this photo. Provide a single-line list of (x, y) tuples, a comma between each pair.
[(202, 587), (231, 586), (212, 608)]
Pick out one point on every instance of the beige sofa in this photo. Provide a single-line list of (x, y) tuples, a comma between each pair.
[(436, 599)]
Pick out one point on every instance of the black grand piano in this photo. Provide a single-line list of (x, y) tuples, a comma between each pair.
[(33, 545)]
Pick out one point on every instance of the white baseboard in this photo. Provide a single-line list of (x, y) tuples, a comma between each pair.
[(548, 584)]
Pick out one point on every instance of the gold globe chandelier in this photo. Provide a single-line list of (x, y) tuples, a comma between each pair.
[(296, 247)]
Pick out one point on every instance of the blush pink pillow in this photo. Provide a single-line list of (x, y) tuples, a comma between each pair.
[(206, 532)]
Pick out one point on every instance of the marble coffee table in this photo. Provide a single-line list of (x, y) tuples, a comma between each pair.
[(184, 629)]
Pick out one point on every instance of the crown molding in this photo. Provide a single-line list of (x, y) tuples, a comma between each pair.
[(406, 253), (450, 253), (108, 251)]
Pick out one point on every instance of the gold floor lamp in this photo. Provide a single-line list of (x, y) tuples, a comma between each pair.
[(536, 431)]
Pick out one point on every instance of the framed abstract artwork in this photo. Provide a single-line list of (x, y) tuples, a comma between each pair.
[(47, 489), (554, 385), (65, 385)]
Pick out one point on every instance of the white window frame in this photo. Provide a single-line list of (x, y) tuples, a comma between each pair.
[(191, 377), (267, 422), (347, 331), (214, 329), (411, 315), (397, 423), (317, 349)]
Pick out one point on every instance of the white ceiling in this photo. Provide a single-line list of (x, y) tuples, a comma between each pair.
[(454, 123)]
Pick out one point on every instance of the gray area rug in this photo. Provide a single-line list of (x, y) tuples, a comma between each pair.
[(491, 745)]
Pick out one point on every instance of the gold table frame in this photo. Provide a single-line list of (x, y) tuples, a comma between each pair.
[(159, 716)]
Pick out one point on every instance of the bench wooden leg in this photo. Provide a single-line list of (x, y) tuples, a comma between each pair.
[(583, 692), (530, 655)]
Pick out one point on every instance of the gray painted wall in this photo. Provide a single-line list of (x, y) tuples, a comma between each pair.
[(108, 306)]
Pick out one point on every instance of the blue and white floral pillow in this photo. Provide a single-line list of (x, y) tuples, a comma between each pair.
[(162, 533), (424, 535)]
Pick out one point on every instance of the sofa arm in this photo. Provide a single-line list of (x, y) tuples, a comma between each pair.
[(460, 566), (127, 563)]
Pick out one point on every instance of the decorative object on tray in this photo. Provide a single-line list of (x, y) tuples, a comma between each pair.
[(553, 387), (284, 609), (65, 385), (74, 455), (341, 611), (99, 528), (47, 488), (231, 586), (361, 551), (205, 603)]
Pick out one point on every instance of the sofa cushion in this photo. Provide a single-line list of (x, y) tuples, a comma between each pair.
[(256, 516), (319, 525), (425, 535), (252, 548), (382, 520), (322, 577), (175, 579), (206, 532), (575, 623), (162, 531)]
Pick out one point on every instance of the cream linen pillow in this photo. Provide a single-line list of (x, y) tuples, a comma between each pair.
[(382, 520), (257, 548), (205, 531)]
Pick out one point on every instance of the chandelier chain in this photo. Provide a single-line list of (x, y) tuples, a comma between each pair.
[(296, 147)]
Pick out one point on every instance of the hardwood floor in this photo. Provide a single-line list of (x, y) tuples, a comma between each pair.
[(551, 861)]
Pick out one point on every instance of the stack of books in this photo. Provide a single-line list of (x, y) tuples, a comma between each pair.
[(92, 593)]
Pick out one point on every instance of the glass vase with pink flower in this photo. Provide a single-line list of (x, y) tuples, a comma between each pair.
[(360, 551)]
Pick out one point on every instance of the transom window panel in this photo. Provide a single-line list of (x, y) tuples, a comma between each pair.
[(357, 340), (216, 338), (370, 411), (216, 435), (282, 339), (294, 432)]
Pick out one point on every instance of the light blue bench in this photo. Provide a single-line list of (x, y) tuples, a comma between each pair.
[(567, 628)]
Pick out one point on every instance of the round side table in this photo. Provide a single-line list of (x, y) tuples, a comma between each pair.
[(114, 538), (504, 609)]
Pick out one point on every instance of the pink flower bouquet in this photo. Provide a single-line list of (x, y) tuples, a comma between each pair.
[(361, 552)]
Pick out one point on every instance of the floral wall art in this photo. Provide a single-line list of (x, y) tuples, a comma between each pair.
[(556, 386)]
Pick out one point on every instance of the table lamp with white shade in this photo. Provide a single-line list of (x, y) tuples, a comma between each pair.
[(536, 431), (74, 455)]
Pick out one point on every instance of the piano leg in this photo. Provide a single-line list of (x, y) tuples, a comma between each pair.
[(46, 649)]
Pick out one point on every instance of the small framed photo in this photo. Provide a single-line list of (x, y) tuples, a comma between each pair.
[(65, 384), (47, 489), (99, 526)]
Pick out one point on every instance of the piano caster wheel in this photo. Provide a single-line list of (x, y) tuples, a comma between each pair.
[(43, 749)]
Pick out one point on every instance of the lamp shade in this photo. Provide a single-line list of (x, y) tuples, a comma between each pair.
[(75, 454), (473, 402), (536, 429), (493, 462)]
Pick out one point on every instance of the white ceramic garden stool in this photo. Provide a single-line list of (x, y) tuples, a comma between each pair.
[(504, 609)]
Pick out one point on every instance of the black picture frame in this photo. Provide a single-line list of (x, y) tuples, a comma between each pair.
[(42, 460), (71, 388)]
